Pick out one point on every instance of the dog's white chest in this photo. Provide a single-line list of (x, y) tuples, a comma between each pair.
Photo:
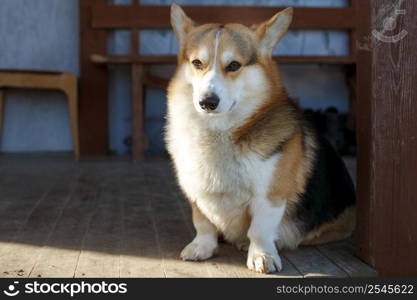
[(218, 179), (209, 166)]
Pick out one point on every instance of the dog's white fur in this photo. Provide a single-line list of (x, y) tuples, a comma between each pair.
[(223, 184), (221, 181)]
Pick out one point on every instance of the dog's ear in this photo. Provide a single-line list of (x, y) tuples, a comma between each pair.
[(270, 32), (180, 22)]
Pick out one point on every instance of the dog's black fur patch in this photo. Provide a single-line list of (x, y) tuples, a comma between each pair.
[(329, 190)]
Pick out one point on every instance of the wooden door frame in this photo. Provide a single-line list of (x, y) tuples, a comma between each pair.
[(93, 84)]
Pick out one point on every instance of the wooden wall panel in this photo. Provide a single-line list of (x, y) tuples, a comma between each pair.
[(159, 16), (387, 137)]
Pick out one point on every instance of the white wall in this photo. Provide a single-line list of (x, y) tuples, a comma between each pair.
[(40, 35)]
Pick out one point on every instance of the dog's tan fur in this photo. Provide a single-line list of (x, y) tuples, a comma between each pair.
[(339, 229)]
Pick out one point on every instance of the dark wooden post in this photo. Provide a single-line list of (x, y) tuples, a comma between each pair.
[(93, 85), (138, 99), (387, 137)]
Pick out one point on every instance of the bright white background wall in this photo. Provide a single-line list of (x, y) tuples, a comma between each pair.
[(44, 34), (40, 35)]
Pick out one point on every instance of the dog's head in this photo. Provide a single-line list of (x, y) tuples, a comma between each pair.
[(227, 65)]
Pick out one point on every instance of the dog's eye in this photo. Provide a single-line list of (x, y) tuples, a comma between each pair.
[(197, 64), (233, 66)]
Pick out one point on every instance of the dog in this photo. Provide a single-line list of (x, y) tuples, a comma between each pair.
[(254, 171)]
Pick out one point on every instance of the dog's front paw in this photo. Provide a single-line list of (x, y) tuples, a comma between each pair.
[(198, 251), (264, 262)]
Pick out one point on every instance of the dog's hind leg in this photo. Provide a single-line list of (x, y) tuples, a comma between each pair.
[(204, 245), (339, 229)]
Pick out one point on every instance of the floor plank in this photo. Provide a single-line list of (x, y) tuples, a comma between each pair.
[(107, 217), (141, 255), (18, 257), (101, 244), (14, 198), (60, 256), (342, 254), (311, 263)]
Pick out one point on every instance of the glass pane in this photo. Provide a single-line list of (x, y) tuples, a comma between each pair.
[(120, 2), (118, 42)]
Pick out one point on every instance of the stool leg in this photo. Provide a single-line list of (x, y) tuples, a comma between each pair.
[(73, 115), (1, 111)]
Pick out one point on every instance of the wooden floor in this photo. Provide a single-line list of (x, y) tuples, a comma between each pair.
[(111, 218)]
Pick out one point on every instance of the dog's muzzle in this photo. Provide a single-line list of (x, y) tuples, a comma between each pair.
[(210, 102)]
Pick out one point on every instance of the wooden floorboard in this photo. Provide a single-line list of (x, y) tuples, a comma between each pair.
[(110, 218), (341, 254), (59, 257), (311, 263), (141, 255), (19, 255), (14, 198), (101, 244)]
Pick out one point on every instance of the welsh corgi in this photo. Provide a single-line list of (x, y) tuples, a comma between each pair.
[(254, 171)]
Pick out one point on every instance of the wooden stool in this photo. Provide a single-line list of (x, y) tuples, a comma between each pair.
[(65, 82)]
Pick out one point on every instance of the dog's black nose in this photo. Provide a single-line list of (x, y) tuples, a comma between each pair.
[(210, 102)]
